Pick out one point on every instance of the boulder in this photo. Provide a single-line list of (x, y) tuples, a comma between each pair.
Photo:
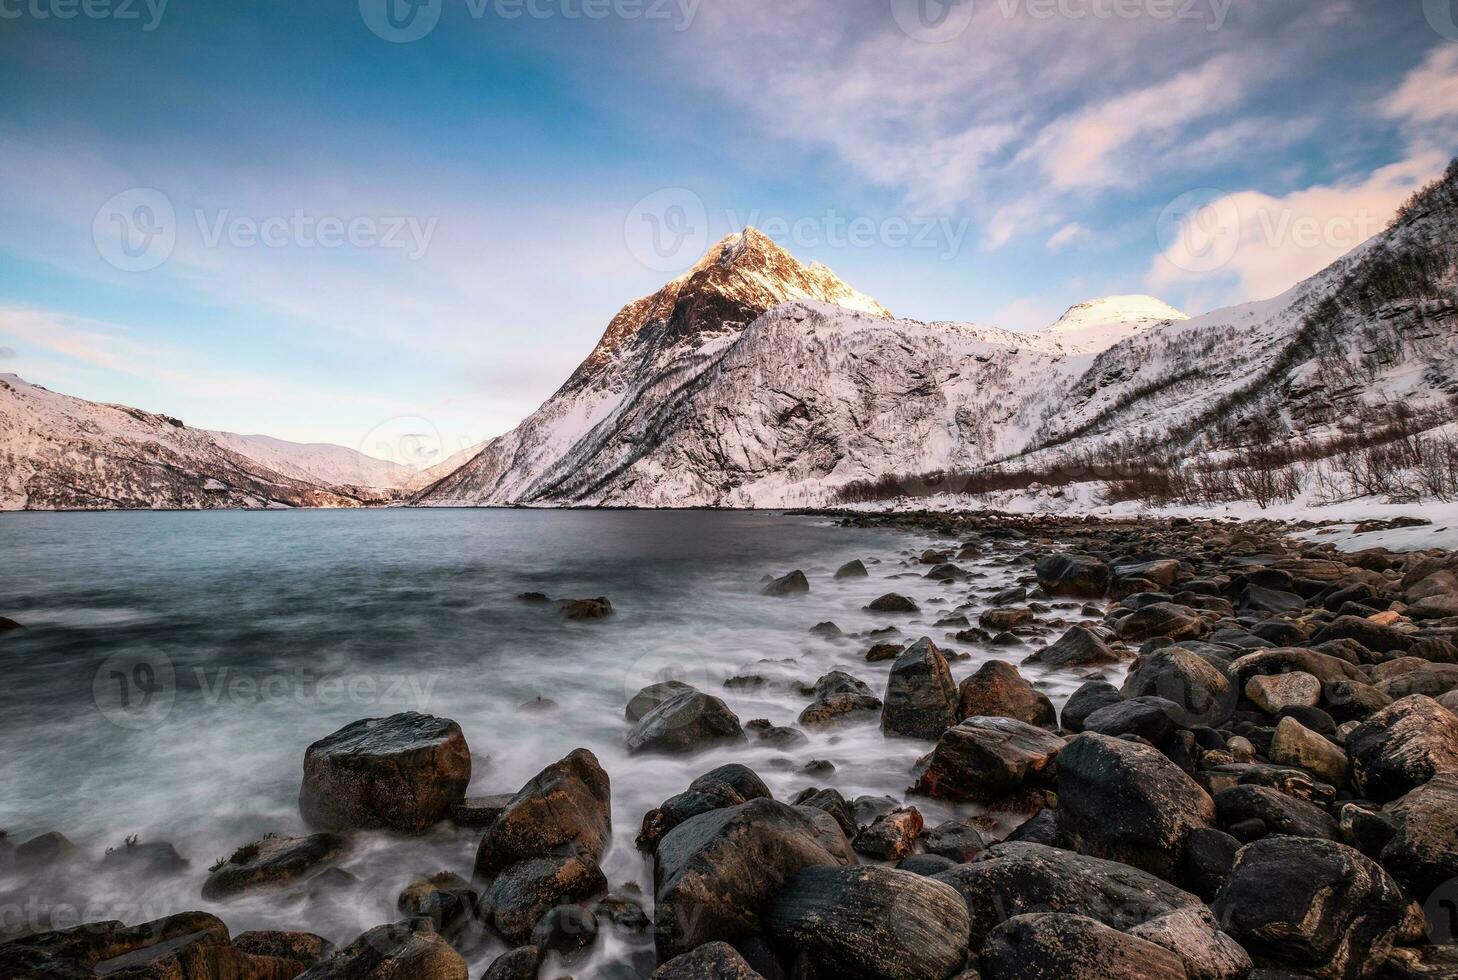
[(1423, 853), (1005, 619), (526, 891), (689, 722), (522, 963), (1433, 680), (583, 610), (652, 696), (1279, 813), (1053, 946), (1161, 571), (1203, 693), (1163, 620), (997, 690), (1297, 745), (187, 945), (1078, 647), (1401, 747), (869, 921), (269, 862), (1382, 639), (1010, 879), (1125, 801), (565, 930), (893, 603), (1073, 576), (391, 952), (1285, 660), (892, 836), (836, 710), (985, 760), (566, 808), (401, 773), (1152, 719), (446, 902), (794, 583), (1091, 697), (298, 947), (958, 840), (830, 801), (1194, 936), (1255, 599), (921, 699), (1273, 692), (726, 786), (711, 961), (715, 873), (479, 812), (1297, 903), (851, 569)]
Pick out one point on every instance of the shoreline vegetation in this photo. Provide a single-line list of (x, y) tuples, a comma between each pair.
[(1257, 777)]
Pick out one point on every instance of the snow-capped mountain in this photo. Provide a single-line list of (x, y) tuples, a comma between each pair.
[(61, 453), (754, 381)]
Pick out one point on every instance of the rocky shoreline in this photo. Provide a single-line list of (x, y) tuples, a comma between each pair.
[(1258, 777)]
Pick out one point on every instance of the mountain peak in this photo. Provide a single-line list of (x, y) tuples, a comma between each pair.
[(1117, 309)]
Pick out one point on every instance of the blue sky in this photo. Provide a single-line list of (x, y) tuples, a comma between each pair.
[(484, 185)]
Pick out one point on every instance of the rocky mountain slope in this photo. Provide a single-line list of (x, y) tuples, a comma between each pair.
[(716, 392), (64, 453)]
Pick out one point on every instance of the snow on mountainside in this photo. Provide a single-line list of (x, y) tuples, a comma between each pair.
[(321, 463), (1102, 323), (61, 453)]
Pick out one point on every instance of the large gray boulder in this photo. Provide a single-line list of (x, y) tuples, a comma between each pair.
[(688, 722), (565, 809), (1403, 746), (997, 690), (921, 699), (1074, 576), (984, 760), (1053, 946)]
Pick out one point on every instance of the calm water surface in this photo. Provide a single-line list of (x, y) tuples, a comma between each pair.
[(175, 666)]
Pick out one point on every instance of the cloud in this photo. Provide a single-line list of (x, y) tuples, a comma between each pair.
[(1429, 93), (1069, 235)]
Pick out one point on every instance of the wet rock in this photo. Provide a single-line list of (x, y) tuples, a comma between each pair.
[(892, 836), (566, 808), (921, 699), (870, 921), (1203, 693), (831, 835), (1255, 599), (565, 930), (1421, 963), (1091, 697), (479, 812), (724, 787), (958, 840), (156, 858), (269, 862), (828, 630), (718, 961), (584, 610), (1162, 571), (401, 773), (1323, 667), (1433, 680), (1051, 946), (522, 963), (830, 801), (393, 952), (926, 865), (1073, 576), (1152, 719), (1041, 828), (851, 569), (1206, 861), (838, 682), (163, 948), (1273, 692), (794, 583), (946, 572), (297, 947), (534, 598), (1423, 852), (652, 696), (714, 874), (985, 760), (445, 901), (776, 735), (1161, 619), (1005, 619), (997, 690), (9, 624), (893, 603), (1194, 936), (686, 723), (1401, 747), (1311, 905), (1382, 639), (1275, 811), (44, 851), (841, 709), (884, 651), (1078, 647), (1297, 745), (526, 891), (1126, 802)]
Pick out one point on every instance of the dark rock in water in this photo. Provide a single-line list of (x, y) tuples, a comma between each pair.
[(271, 861), (1151, 719), (1005, 619), (1073, 576), (884, 651), (579, 610), (724, 787), (9, 624), (566, 929), (1126, 802), (987, 759), (869, 921), (794, 583), (1006, 639), (711, 961), (522, 963), (392, 952), (1009, 596), (838, 682), (946, 572), (157, 858), (44, 851), (535, 598), (1162, 619), (1091, 697), (652, 696), (1203, 693), (832, 803), (921, 699), (892, 836), (958, 840), (525, 892), (818, 767), (997, 690), (851, 569), (1077, 647), (1423, 853), (1162, 571), (566, 808), (479, 812), (1382, 639), (777, 735), (1011, 879), (1206, 861), (827, 629), (687, 723), (1281, 814), (446, 902), (841, 709), (1303, 904), (297, 947), (1403, 746), (401, 773), (1052, 946), (891, 602), (715, 874)]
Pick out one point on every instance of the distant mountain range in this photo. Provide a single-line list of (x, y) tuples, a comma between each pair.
[(756, 381)]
